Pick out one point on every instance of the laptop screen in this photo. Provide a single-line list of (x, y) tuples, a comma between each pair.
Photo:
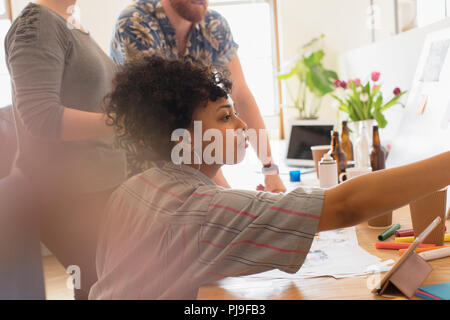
[(303, 137)]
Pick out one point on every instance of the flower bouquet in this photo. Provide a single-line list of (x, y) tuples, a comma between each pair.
[(365, 101)]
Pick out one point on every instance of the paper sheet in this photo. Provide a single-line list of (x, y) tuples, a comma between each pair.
[(336, 254)]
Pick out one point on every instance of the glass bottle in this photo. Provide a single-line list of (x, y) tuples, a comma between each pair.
[(347, 145), (362, 147), (378, 162), (378, 155), (337, 153)]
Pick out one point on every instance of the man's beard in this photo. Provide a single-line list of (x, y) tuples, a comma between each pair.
[(187, 11)]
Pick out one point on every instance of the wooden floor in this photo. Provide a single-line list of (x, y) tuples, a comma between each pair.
[(55, 280)]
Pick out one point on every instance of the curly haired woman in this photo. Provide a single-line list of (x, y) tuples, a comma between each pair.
[(170, 229)]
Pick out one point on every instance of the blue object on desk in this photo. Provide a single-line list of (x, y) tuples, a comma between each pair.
[(295, 176), (435, 292)]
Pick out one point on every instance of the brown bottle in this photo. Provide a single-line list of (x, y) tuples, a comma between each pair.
[(378, 155), (337, 153), (378, 162), (347, 145)]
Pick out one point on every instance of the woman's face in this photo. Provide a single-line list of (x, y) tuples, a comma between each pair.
[(223, 133)]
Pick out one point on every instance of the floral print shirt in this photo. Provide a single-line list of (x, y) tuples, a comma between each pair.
[(144, 28)]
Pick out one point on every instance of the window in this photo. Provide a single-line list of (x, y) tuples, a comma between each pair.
[(252, 23), (5, 83), (431, 11)]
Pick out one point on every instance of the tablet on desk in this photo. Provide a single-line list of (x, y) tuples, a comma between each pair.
[(304, 134), (408, 283)]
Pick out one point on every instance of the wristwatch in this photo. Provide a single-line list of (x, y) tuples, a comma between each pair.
[(270, 169)]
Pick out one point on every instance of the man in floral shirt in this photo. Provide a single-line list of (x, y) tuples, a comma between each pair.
[(181, 28)]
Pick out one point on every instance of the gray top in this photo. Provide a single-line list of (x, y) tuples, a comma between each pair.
[(54, 66), (170, 230)]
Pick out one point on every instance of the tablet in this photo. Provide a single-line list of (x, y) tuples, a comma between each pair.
[(384, 282)]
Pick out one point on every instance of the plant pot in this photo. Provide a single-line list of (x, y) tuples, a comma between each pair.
[(381, 222)]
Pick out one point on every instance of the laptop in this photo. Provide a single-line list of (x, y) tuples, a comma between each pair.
[(303, 134)]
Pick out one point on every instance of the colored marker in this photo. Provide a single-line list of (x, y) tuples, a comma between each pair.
[(388, 232), (411, 239), (397, 246), (436, 254), (407, 232), (418, 250), (404, 233), (404, 239)]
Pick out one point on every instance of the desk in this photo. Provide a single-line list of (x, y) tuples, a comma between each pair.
[(326, 287), (316, 288)]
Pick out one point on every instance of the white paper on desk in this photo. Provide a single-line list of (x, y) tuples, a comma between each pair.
[(336, 254)]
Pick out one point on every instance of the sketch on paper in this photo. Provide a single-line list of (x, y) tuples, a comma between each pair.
[(334, 253), (435, 61), (422, 104), (315, 258)]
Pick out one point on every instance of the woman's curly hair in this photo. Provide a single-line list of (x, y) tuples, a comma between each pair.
[(153, 96)]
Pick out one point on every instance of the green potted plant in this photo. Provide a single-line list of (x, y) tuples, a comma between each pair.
[(314, 81)]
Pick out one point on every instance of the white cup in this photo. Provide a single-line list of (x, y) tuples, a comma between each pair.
[(354, 172)]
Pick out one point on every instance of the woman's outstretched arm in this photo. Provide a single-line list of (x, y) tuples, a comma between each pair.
[(371, 195)]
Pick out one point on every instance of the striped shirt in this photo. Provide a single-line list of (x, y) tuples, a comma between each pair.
[(170, 230)]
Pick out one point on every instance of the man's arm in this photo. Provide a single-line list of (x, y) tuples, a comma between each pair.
[(249, 111), (373, 194)]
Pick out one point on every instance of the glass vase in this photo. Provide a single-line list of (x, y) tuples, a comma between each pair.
[(363, 138)]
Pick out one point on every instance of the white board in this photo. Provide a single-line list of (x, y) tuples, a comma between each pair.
[(425, 128)]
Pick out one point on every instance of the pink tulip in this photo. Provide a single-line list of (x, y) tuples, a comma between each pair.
[(375, 76), (357, 82), (343, 84), (397, 91), (337, 83)]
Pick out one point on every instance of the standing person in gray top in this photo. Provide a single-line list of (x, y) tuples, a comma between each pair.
[(59, 79)]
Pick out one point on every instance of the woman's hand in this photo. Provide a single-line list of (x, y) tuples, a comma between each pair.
[(273, 184)]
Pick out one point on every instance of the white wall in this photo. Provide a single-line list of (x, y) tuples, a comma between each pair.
[(344, 23), (98, 16), (17, 6)]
